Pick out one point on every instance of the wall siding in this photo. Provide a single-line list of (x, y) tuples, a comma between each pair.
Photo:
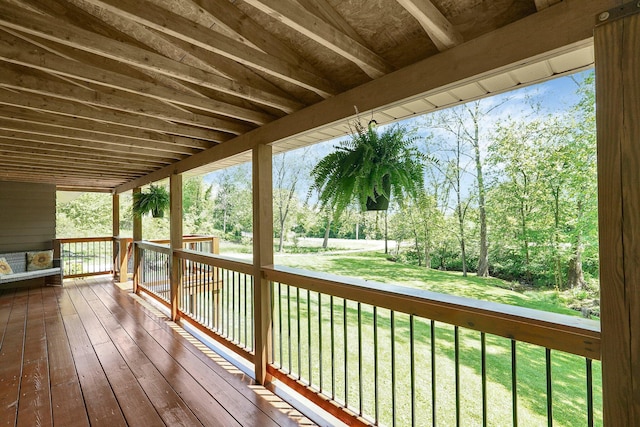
[(27, 216)]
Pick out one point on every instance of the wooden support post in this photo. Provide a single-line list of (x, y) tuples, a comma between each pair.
[(176, 240), (215, 245), (123, 253), (57, 255), (617, 43), (262, 256), (115, 232), (137, 236)]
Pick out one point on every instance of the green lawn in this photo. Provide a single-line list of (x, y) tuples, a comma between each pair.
[(299, 307)]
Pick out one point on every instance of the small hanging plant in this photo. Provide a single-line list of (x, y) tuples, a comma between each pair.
[(155, 200), (369, 168)]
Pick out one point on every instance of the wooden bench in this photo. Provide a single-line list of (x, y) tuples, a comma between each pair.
[(18, 263)]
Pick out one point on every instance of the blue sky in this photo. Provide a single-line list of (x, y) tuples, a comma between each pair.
[(554, 96)]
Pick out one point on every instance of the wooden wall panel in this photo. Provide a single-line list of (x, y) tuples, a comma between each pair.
[(27, 216)]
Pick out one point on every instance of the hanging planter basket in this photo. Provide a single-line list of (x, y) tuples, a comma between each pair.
[(380, 202), (157, 213), (155, 200)]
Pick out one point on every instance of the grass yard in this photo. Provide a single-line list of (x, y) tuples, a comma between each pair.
[(305, 318)]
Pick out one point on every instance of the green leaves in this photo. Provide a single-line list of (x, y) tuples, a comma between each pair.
[(356, 170), (155, 199)]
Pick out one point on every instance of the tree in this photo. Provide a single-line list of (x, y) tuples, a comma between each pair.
[(454, 162), (288, 168), (515, 151), (464, 125), (231, 188)]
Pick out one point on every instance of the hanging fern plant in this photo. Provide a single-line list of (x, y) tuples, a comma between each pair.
[(369, 168), (155, 200)]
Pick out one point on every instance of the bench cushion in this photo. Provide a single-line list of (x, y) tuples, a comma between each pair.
[(40, 260), (17, 261), (5, 268)]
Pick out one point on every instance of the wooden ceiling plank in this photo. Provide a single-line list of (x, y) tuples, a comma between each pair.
[(71, 170), (543, 4), (510, 47), (15, 51), (36, 155), (39, 103), (106, 129), (101, 185), (81, 140), (63, 145), (300, 19), (227, 15), (324, 10), (106, 185), (69, 35), (436, 25), (104, 100), (175, 25), (230, 68), (175, 49)]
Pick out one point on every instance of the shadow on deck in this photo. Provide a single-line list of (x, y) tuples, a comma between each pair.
[(90, 353)]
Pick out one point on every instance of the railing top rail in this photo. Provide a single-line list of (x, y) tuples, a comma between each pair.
[(85, 239), (215, 260), (193, 239), (153, 247), (555, 331)]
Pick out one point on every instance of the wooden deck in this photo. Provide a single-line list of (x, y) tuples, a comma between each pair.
[(89, 353)]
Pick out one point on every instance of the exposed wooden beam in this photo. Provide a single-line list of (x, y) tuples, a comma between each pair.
[(52, 29), (106, 129), (17, 52), (543, 4), (115, 142), (140, 106), (179, 51), (227, 15), (28, 157), (326, 12), (175, 25), (300, 19), (71, 170), (510, 48), (70, 109), (59, 179), (435, 24), (62, 145)]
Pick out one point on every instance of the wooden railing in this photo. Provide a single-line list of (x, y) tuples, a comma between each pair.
[(377, 354), (86, 256), (123, 252)]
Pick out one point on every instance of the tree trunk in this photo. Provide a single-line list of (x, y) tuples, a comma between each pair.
[(558, 276), (427, 248), (525, 238), (386, 234), (463, 251), (327, 231), (483, 259), (575, 278), (281, 243)]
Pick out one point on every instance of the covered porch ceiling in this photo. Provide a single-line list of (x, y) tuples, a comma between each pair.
[(108, 95)]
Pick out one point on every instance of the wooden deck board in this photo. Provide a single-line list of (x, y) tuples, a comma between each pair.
[(89, 353)]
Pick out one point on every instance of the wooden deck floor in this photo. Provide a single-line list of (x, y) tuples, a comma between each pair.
[(89, 353)]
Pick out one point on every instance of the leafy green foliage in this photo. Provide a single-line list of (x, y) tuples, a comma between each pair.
[(356, 170), (155, 200)]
